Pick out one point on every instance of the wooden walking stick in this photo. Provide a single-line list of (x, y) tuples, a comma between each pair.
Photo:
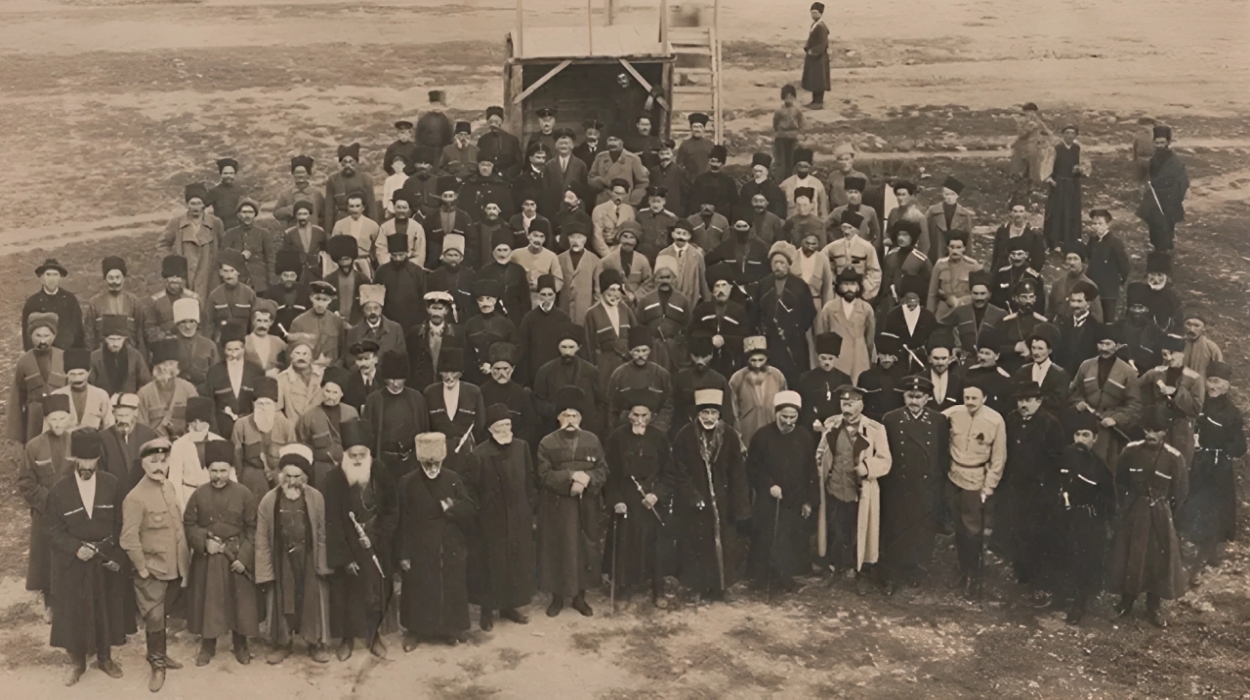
[(772, 550)]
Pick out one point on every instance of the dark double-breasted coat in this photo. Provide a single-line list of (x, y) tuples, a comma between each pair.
[(501, 538)]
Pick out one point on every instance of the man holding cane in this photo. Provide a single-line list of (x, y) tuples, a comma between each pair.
[(978, 451)]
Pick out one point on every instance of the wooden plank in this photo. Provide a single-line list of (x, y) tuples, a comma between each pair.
[(692, 90), (692, 50), (541, 81), (514, 112), (643, 81)]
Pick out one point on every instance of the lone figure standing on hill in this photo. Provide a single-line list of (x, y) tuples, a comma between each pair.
[(1163, 203), (816, 59)]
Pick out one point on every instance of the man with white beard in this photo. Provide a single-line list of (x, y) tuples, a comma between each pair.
[(291, 560), (89, 405), (163, 401), (434, 509), (158, 550), (259, 438), (361, 514), (754, 387), (571, 473)]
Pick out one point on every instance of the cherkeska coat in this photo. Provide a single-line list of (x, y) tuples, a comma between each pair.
[(501, 540), (430, 537), (568, 526)]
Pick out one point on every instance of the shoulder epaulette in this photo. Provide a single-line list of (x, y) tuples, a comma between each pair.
[(1003, 372), (1173, 450), (1136, 442), (1031, 271), (1040, 317), (1010, 316), (1190, 372), (919, 254)]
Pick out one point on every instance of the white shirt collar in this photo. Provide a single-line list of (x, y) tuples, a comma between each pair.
[(86, 490), (1040, 370), (912, 317)]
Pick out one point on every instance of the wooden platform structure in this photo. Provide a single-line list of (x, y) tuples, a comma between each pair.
[(574, 68)]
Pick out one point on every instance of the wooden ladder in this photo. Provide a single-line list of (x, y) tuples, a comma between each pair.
[(696, 78)]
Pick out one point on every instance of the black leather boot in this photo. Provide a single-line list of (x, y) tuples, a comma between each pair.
[(156, 658)]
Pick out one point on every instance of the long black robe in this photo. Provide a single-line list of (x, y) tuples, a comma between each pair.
[(1083, 504), (911, 493), (787, 460), (221, 600), (785, 320), (1146, 554), (685, 383), (538, 339), (698, 568), (523, 405), (435, 597), (88, 613), (501, 538), (1210, 513), (1062, 224), (557, 374), (406, 285), (1024, 504), (357, 600), (1163, 203), (644, 458), (568, 526), (819, 390)]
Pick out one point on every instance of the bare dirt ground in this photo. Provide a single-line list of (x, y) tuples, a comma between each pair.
[(107, 107)]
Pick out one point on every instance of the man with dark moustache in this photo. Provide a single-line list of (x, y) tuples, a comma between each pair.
[(157, 548)]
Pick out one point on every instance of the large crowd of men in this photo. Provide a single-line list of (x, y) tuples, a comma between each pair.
[(527, 367)]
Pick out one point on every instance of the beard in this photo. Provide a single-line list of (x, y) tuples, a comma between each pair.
[(85, 474), (358, 475), (708, 423), (264, 418), (292, 491), (431, 471)]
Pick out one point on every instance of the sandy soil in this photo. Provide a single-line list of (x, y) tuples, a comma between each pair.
[(107, 107)]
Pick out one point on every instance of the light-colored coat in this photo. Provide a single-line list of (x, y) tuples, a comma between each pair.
[(637, 282), (857, 253), (691, 273), (197, 242), (872, 453), (186, 473), (820, 206), (97, 413), (1118, 398), (581, 283), (936, 227), (628, 168), (265, 529), (755, 409), (858, 333), (416, 243)]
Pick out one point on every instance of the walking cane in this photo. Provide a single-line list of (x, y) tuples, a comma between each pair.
[(772, 550), (616, 548), (981, 553)]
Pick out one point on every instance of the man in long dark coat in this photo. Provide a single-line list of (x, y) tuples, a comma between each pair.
[(122, 441), (1163, 203), (46, 461), (38, 372), (1146, 554), (361, 512), (819, 386), (220, 520), (501, 541), (781, 466), (435, 507), (711, 486), (405, 284), (784, 315), (395, 414), (84, 521), (571, 473), (698, 375), (911, 494), (570, 369), (638, 462), (1024, 513), (1062, 225), (816, 58), (723, 321), (1086, 499), (499, 388), (51, 299), (291, 562), (538, 335)]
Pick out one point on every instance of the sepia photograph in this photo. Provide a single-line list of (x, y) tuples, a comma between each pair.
[(624, 349)]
